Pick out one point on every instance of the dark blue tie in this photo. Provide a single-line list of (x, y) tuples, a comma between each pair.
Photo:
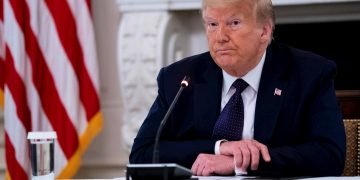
[(230, 123)]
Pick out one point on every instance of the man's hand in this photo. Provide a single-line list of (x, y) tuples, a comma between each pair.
[(210, 164), (245, 153)]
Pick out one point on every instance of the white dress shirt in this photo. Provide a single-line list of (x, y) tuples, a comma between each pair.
[(249, 96)]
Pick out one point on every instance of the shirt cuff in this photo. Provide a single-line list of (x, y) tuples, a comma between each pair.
[(240, 172), (217, 146)]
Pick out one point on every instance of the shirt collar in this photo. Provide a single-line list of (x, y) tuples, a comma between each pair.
[(252, 77)]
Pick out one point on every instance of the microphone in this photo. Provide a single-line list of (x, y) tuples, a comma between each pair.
[(156, 170), (184, 84)]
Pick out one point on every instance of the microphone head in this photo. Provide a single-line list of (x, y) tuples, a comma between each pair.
[(185, 81)]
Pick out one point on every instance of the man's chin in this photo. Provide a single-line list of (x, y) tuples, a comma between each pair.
[(228, 68), (225, 62)]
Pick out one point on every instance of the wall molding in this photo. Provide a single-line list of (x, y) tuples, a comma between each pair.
[(2, 146), (139, 59)]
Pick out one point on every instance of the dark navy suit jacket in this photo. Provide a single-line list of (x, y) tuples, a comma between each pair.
[(302, 127)]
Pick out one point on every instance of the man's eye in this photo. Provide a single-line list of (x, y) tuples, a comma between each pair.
[(211, 25), (235, 24)]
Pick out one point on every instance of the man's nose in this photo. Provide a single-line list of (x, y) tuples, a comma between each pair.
[(222, 34)]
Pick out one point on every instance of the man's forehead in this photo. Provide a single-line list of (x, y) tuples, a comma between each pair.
[(224, 3)]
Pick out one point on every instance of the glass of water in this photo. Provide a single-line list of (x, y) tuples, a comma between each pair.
[(42, 155)]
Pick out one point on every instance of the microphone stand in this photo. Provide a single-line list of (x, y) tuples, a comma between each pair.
[(184, 83), (155, 170)]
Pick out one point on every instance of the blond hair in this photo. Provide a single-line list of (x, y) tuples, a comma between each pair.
[(264, 8)]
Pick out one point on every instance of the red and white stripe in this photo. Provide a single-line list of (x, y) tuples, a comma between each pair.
[(51, 80), (2, 54)]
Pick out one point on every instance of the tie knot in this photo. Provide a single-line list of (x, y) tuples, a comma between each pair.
[(240, 85)]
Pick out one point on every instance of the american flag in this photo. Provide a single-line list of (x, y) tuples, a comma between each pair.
[(277, 92), (49, 80)]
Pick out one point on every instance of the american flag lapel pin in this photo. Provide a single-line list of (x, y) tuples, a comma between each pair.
[(277, 92)]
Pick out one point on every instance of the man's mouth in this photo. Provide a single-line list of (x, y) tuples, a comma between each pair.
[(223, 51)]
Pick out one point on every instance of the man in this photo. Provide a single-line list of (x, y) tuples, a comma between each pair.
[(286, 120)]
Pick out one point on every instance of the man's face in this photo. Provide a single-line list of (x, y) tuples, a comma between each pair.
[(235, 39)]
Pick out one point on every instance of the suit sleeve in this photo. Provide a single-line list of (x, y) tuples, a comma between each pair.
[(171, 149), (323, 151)]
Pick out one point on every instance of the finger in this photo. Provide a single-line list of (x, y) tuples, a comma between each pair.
[(264, 152), (246, 157), (255, 155), (207, 171), (238, 158), (199, 169), (195, 166)]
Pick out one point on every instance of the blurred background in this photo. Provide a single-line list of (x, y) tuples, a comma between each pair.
[(135, 38)]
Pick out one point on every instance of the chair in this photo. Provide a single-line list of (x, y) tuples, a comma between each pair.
[(352, 162)]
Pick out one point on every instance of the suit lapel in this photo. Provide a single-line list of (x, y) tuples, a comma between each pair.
[(207, 97), (269, 102)]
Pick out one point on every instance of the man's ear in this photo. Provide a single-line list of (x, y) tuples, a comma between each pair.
[(266, 34)]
